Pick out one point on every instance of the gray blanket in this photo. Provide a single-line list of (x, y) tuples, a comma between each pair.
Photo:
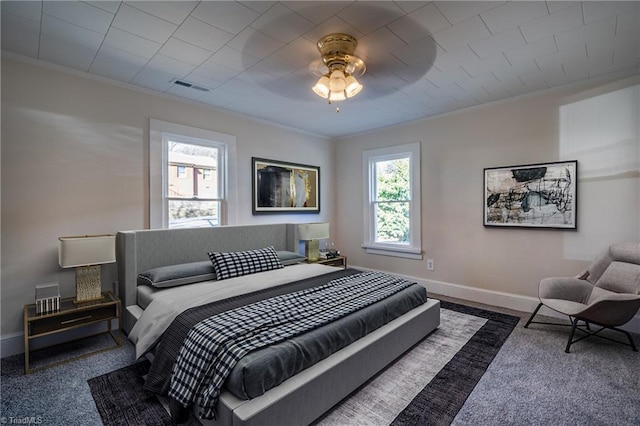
[(338, 336)]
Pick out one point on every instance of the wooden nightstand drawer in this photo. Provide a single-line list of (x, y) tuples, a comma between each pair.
[(54, 323)]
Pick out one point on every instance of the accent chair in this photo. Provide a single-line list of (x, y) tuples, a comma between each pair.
[(606, 294)]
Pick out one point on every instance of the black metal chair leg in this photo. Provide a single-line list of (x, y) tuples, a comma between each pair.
[(574, 323), (631, 342), (533, 315)]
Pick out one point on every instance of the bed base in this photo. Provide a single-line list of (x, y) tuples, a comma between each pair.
[(312, 392)]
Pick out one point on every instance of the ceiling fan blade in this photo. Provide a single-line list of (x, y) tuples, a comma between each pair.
[(318, 68)]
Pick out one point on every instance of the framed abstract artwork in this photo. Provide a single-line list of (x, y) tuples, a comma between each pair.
[(531, 196), (280, 187)]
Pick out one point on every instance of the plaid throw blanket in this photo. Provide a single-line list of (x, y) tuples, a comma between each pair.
[(214, 346)]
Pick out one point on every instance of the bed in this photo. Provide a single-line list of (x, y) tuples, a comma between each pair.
[(308, 394)]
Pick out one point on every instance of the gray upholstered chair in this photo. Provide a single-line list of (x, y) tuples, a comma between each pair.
[(606, 294)]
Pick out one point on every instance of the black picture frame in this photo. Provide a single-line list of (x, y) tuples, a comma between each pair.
[(280, 187), (542, 195)]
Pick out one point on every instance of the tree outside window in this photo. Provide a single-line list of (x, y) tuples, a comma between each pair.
[(393, 196)]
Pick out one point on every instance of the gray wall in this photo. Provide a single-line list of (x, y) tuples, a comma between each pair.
[(75, 162)]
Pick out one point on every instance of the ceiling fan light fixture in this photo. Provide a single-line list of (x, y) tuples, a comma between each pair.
[(338, 68)]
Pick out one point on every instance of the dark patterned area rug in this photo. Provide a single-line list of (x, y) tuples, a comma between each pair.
[(121, 399)]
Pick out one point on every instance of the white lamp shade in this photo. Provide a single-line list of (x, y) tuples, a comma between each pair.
[(337, 86), (313, 231), (353, 87), (322, 87), (337, 96), (86, 250), (337, 83)]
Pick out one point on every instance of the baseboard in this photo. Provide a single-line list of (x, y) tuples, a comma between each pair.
[(11, 344), (500, 299)]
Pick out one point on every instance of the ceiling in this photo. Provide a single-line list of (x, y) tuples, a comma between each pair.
[(423, 58)]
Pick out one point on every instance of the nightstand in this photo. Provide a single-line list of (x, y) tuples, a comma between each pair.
[(340, 262), (70, 316)]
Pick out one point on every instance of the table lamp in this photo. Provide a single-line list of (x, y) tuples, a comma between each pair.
[(86, 253), (310, 233)]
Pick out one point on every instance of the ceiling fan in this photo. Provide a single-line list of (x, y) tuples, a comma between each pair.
[(389, 68), (338, 68)]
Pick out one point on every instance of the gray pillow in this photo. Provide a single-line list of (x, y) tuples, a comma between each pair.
[(175, 275), (621, 277), (290, 258)]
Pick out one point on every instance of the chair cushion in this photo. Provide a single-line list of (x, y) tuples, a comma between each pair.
[(566, 307), (626, 252), (565, 288), (621, 277)]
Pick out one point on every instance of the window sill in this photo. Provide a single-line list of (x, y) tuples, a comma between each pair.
[(394, 252)]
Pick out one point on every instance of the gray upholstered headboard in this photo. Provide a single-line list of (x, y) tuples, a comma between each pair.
[(138, 251)]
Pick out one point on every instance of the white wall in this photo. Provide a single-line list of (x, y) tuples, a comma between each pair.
[(601, 129), (492, 265), (75, 161)]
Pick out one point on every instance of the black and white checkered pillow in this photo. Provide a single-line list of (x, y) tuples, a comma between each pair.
[(238, 263)]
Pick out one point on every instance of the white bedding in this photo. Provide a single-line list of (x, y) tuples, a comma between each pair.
[(169, 303)]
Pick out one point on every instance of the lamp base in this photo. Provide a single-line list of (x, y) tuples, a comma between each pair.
[(88, 284), (87, 301), (312, 250)]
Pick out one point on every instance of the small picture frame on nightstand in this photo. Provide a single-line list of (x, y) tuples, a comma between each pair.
[(47, 298)]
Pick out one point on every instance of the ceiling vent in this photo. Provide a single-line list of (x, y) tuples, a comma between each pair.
[(190, 85)]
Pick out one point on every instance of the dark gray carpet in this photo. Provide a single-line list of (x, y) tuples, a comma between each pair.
[(532, 381), (59, 395)]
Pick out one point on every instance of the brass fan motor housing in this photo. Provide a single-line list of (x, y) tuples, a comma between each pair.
[(337, 49)]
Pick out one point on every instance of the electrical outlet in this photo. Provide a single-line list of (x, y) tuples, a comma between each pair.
[(430, 264)]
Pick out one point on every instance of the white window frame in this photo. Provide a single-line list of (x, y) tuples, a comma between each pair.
[(413, 250), (159, 133)]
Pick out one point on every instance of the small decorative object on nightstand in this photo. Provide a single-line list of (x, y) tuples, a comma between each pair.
[(47, 298), (70, 315), (86, 254)]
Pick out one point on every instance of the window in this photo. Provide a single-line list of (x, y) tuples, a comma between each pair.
[(392, 201), (190, 176), (191, 202)]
